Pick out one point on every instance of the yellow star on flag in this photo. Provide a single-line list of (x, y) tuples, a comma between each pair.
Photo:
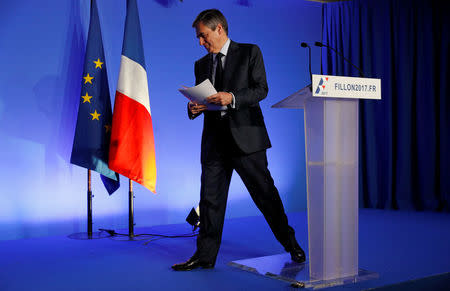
[(108, 127), (95, 115), (98, 64), (86, 98), (88, 79)]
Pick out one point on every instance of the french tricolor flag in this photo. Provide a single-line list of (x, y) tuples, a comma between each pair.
[(132, 147)]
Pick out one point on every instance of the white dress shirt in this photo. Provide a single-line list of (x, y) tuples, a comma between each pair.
[(224, 51)]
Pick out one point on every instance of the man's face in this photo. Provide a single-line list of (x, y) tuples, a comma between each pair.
[(210, 39)]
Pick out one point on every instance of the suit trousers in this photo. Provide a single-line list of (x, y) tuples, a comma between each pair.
[(223, 157)]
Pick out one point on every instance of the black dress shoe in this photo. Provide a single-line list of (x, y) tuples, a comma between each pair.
[(191, 264), (294, 249), (298, 255)]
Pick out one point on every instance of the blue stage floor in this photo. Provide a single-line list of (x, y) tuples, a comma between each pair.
[(400, 246)]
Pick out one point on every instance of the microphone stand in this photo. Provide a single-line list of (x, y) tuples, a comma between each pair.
[(304, 44), (319, 44)]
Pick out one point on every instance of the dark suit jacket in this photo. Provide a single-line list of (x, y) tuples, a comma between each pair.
[(245, 77)]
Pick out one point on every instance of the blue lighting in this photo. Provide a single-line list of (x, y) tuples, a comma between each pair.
[(42, 53)]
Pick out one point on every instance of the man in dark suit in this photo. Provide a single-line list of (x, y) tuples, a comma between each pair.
[(233, 139)]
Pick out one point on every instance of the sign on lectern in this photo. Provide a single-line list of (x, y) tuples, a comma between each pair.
[(346, 87)]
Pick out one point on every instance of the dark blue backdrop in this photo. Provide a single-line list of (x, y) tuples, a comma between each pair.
[(405, 137)]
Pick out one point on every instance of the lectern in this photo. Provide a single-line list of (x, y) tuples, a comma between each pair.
[(330, 107)]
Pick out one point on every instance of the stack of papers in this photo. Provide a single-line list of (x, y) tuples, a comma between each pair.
[(199, 93)]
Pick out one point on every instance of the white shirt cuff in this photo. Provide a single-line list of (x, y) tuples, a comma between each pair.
[(233, 101)]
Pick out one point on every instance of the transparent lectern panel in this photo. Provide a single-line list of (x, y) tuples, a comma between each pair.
[(341, 187), (314, 116), (331, 127), (316, 218)]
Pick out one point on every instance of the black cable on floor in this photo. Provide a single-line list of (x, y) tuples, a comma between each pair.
[(153, 236)]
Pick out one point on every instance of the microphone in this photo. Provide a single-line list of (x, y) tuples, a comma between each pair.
[(319, 44), (304, 44)]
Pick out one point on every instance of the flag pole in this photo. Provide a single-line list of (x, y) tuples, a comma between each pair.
[(130, 210), (89, 234), (89, 205)]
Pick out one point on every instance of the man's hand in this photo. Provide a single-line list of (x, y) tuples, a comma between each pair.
[(220, 98), (196, 108)]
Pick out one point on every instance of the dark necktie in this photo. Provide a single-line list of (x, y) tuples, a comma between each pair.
[(218, 79)]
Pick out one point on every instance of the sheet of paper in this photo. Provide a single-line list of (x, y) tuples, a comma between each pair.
[(199, 93)]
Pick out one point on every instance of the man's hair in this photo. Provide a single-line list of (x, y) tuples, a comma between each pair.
[(211, 18)]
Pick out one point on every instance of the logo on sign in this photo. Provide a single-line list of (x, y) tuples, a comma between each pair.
[(321, 87)]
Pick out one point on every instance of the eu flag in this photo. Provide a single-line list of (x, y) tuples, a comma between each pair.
[(93, 131)]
